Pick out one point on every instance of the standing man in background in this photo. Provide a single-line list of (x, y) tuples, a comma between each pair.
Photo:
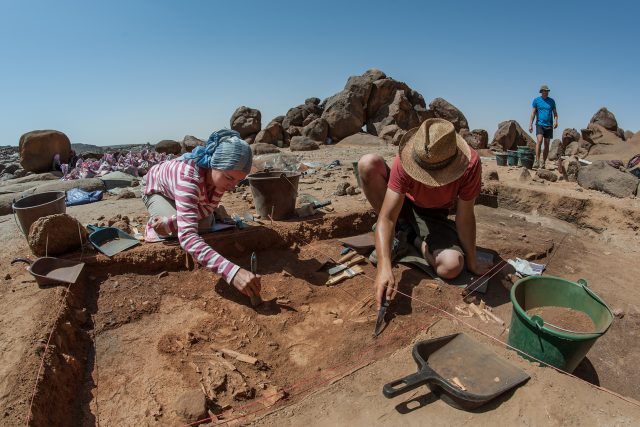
[(543, 108)]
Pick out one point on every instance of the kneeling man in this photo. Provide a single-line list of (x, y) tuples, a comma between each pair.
[(435, 169)]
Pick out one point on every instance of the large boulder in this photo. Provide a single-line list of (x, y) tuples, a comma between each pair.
[(345, 114), (579, 148), (553, 149), (569, 135), (259, 148), (606, 119), (602, 177), (303, 143), (393, 102), (363, 85), (444, 110), (399, 109), (598, 134), (246, 121), (362, 139), (628, 135), (302, 114), (56, 235), (168, 146), (477, 138), (271, 134), (37, 149), (189, 143), (317, 130), (510, 135)]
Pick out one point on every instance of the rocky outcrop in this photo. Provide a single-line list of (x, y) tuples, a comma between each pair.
[(303, 143), (393, 102), (606, 119), (442, 109), (297, 116), (510, 135), (246, 121), (273, 133), (569, 135), (189, 143), (598, 134), (579, 148), (345, 114), (261, 148), (37, 149), (602, 177), (553, 149), (168, 146), (478, 138), (317, 130)]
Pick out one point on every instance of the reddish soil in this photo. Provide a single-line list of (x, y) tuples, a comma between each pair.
[(565, 318), (151, 337)]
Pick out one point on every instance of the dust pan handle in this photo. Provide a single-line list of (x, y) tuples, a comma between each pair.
[(403, 385)]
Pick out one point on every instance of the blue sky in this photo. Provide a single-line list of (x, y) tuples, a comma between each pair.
[(120, 72)]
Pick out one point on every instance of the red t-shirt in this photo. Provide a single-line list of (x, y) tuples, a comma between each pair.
[(467, 187)]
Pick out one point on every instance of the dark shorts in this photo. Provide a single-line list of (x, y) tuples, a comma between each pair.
[(432, 226), (546, 132)]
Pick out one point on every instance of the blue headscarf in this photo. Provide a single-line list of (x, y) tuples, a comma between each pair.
[(224, 150)]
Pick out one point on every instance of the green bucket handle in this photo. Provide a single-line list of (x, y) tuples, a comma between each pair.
[(585, 286), (538, 321)]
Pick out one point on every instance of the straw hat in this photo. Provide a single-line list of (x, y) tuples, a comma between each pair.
[(434, 154), (544, 88)]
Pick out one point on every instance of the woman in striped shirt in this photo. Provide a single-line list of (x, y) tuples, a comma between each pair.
[(182, 194)]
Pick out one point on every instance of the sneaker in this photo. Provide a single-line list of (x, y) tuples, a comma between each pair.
[(399, 248), (536, 164)]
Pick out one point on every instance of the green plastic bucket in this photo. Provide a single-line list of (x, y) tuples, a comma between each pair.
[(501, 159), (554, 346), (524, 149), (512, 158)]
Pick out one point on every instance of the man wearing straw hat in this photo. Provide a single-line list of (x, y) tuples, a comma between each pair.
[(435, 170)]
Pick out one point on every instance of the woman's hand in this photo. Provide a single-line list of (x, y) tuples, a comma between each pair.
[(160, 225), (247, 282)]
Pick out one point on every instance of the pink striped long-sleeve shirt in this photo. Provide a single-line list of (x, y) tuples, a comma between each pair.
[(184, 182)]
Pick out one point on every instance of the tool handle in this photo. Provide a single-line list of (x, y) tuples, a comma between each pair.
[(347, 257), (355, 260), (403, 385), (349, 272), (337, 279)]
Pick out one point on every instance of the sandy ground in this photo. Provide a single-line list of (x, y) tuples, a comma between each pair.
[(601, 250)]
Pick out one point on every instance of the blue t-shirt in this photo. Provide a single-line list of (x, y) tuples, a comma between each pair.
[(544, 109)]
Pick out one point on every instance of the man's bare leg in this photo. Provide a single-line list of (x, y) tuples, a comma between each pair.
[(447, 263), (538, 144), (372, 170), (545, 151)]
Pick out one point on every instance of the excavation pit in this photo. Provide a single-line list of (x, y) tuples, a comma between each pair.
[(144, 329)]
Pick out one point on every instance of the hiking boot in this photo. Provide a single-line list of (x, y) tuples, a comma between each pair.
[(399, 248), (536, 164)]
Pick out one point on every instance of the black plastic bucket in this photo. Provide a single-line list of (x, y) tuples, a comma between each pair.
[(274, 193)]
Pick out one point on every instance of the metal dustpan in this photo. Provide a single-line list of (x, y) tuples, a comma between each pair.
[(110, 240), (463, 373), (50, 271)]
